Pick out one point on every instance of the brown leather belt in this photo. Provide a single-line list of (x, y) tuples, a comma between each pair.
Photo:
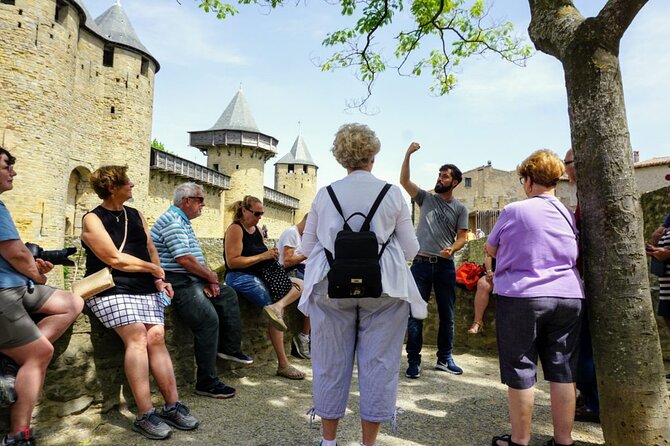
[(429, 259)]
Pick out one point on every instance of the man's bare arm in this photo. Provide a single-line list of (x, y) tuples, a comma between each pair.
[(17, 255), (407, 184)]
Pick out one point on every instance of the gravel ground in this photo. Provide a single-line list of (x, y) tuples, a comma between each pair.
[(439, 409)]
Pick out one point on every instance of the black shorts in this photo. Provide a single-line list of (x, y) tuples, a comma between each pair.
[(544, 326)]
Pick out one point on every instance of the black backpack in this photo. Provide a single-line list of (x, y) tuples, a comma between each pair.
[(355, 270)]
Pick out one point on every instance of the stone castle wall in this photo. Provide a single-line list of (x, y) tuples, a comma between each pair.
[(298, 184), (63, 114), (245, 167)]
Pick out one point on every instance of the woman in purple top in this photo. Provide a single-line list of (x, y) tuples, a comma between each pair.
[(540, 295)]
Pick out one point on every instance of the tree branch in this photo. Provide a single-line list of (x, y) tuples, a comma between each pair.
[(615, 18), (553, 25)]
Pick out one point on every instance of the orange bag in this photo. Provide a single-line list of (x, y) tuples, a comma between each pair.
[(468, 274)]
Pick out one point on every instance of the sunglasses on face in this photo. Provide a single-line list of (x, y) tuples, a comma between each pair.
[(255, 213), (198, 199)]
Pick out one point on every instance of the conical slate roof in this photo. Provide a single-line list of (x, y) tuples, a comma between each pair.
[(110, 28), (115, 26), (237, 116), (299, 154)]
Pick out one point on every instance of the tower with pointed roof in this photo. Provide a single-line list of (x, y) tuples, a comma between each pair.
[(295, 175), (235, 146)]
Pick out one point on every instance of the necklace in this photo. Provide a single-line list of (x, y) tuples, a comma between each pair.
[(117, 217)]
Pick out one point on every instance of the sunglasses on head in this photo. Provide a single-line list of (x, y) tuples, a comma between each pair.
[(255, 213), (198, 199)]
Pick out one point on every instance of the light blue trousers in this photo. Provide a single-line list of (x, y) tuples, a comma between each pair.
[(371, 329)]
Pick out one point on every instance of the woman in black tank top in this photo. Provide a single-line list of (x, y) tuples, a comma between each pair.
[(115, 236), (247, 259)]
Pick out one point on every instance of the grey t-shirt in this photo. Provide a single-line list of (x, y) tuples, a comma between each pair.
[(439, 221)]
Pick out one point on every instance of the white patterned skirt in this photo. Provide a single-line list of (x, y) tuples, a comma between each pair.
[(122, 309)]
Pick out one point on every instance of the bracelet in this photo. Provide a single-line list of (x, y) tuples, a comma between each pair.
[(160, 279)]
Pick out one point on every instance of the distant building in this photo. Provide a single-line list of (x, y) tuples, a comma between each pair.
[(486, 190)]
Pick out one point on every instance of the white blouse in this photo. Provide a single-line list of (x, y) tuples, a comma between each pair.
[(356, 193)]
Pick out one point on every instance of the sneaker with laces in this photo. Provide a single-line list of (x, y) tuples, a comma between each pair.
[(8, 371), (413, 371), (217, 390), (448, 365), (300, 347), (23, 438), (236, 357), (152, 426), (179, 417)]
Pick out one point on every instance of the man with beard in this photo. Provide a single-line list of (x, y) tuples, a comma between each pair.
[(443, 225)]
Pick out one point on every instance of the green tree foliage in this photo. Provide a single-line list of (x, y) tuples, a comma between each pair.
[(436, 37), (156, 144)]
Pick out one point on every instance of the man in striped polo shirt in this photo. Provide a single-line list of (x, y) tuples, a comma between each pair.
[(210, 309)]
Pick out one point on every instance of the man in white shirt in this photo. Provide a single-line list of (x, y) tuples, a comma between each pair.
[(293, 262)]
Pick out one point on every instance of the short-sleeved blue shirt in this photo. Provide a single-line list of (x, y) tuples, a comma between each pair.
[(174, 237), (9, 277)]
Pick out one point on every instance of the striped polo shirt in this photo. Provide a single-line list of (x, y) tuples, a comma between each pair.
[(174, 237)]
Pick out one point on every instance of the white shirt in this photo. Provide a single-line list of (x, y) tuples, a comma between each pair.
[(289, 238), (356, 192)]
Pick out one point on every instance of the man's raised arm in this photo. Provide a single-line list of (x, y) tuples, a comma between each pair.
[(411, 188)]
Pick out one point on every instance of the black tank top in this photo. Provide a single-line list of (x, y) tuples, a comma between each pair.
[(136, 246), (252, 244)]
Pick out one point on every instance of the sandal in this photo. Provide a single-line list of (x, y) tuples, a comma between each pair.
[(276, 318), (477, 327), (506, 438), (290, 372)]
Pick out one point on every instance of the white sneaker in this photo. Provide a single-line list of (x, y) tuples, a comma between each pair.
[(301, 346)]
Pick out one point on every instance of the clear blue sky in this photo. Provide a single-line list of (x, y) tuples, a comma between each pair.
[(498, 111)]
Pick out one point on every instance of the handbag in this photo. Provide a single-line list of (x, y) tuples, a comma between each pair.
[(468, 274), (101, 280), (276, 280)]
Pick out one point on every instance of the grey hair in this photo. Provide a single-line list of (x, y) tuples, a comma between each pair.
[(186, 190)]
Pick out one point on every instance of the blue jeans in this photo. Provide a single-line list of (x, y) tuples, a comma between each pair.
[(250, 287), (215, 322), (440, 276)]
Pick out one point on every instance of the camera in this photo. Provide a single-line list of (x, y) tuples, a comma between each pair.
[(55, 256)]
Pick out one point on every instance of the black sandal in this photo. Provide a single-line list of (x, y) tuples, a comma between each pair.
[(553, 443), (507, 438)]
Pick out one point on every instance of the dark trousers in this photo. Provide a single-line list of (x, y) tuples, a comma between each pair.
[(441, 277), (215, 322), (586, 369)]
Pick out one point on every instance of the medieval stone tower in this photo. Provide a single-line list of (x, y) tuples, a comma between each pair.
[(295, 175), (236, 147), (76, 93)]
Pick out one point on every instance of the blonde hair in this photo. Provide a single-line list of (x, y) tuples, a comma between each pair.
[(355, 145), (543, 167), (106, 178), (245, 202)]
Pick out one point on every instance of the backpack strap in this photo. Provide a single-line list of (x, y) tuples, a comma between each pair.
[(375, 205), (366, 223), (336, 202)]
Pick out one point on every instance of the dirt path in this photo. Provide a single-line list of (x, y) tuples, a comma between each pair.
[(439, 409)]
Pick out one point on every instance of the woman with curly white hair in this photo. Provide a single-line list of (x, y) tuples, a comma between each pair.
[(368, 328)]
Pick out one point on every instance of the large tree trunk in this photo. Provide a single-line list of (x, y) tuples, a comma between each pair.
[(629, 364)]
